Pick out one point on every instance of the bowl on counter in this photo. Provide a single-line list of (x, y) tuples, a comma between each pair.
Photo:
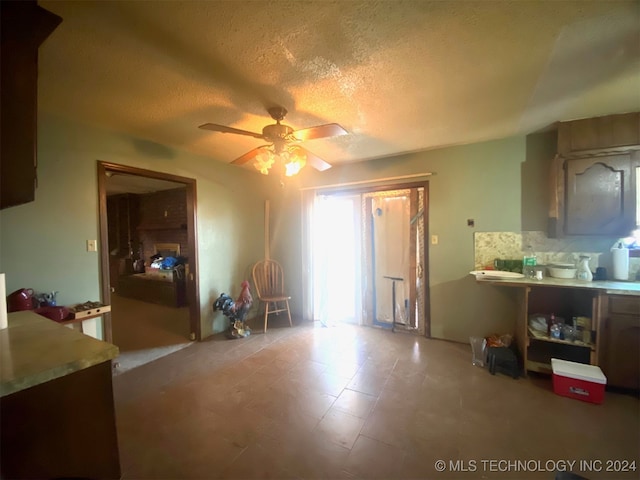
[(562, 270)]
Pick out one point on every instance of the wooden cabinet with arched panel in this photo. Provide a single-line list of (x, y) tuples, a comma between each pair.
[(593, 177), (600, 195)]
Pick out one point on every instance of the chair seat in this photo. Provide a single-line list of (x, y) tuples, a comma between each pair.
[(276, 298)]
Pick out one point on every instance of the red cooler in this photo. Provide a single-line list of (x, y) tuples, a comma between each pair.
[(578, 380)]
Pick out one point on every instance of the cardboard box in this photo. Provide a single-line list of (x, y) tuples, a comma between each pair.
[(578, 380), (90, 313)]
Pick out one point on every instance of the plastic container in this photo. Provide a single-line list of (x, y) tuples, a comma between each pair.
[(529, 262), (578, 380), (478, 351), (562, 272), (620, 262)]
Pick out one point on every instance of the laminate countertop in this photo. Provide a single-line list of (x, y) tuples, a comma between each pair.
[(35, 350), (610, 287)]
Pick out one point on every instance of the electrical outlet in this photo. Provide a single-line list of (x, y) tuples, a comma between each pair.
[(92, 245), (434, 239)]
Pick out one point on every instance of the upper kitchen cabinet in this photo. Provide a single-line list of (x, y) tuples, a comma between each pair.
[(600, 195), (24, 26), (613, 132), (594, 177)]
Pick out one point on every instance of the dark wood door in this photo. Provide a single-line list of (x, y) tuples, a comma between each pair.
[(600, 195), (622, 358)]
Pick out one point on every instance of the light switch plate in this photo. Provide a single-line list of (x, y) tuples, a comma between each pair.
[(92, 245)]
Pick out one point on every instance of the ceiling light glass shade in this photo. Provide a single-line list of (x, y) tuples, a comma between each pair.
[(292, 158), (295, 161), (264, 161)]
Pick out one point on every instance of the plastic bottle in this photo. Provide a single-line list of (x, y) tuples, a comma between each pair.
[(620, 262), (529, 263), (584, 272)]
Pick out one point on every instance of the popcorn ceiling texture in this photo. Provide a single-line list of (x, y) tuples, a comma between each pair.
[(400, 76)]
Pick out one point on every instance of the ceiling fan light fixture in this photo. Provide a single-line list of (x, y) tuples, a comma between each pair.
[(264, 161), (293, 159), (294, 162), (281, 149)]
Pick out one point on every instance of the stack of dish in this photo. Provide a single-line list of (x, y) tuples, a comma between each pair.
[(562, 270)]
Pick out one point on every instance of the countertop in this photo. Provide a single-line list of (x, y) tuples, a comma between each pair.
[(611, 287), (35, 350)]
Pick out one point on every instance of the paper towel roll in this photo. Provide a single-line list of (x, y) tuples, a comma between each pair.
[(621, 263), (3, 302)]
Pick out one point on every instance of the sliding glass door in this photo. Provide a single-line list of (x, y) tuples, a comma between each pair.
[(368, 257)]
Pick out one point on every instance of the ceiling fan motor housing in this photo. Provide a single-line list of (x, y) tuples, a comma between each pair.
[(277, 132)]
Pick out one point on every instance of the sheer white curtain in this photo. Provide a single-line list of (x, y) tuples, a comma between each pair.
[(307, 202), (391, 255), (332, 258)]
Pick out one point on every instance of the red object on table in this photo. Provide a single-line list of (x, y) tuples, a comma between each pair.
[(57, 314)]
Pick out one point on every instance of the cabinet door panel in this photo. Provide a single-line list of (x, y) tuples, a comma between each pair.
[(622, 357), (612, 131), (599, 195)]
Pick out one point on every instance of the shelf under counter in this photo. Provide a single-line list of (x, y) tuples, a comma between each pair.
[(565, 299), (533, 335)]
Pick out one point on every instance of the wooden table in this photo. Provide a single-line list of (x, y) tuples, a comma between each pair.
[(85, 315)]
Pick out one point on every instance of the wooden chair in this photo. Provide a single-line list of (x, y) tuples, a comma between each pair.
[(269, 282)]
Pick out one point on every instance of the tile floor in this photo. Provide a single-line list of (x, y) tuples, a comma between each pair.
[(146, 331), (350, 402)]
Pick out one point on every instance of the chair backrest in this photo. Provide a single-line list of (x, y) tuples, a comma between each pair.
[(268, 278)]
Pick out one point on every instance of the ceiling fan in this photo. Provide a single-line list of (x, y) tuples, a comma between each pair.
[(283, 144)]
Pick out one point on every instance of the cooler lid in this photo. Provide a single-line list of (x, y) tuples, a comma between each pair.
[(579, 371)]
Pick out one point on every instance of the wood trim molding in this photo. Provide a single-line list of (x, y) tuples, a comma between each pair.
[(192, 280)]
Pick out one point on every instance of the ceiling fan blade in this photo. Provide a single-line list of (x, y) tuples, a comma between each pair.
[(320, 131), (315, 161), (224, 129), (250, 155)]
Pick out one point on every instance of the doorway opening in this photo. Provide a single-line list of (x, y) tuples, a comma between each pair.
[(369, 258), (148, 262)]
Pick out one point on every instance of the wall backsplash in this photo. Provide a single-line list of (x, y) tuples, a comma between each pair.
[(489, 246)]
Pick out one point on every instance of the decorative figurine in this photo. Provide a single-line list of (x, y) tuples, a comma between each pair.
[(236, 311)]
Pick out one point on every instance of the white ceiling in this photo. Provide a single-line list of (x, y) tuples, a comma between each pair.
[(400, 76)]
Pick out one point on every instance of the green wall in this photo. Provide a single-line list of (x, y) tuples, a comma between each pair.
[(500, 184), (43, 243), (491, 183)]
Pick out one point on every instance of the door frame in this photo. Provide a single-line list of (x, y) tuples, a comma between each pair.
[(192, 280), (347, 190)]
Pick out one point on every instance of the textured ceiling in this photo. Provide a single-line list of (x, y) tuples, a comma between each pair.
[(400, 76)]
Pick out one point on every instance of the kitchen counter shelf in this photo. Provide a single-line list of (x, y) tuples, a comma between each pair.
[(606, 286), (546, 338), (614, 310), (539, 367), (565, 299)]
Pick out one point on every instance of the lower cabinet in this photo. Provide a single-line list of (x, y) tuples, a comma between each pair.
[(63, 428), (621, 341), (564, 304)]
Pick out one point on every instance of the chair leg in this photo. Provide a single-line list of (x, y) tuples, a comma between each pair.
[(266, 314), (288, 313)]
